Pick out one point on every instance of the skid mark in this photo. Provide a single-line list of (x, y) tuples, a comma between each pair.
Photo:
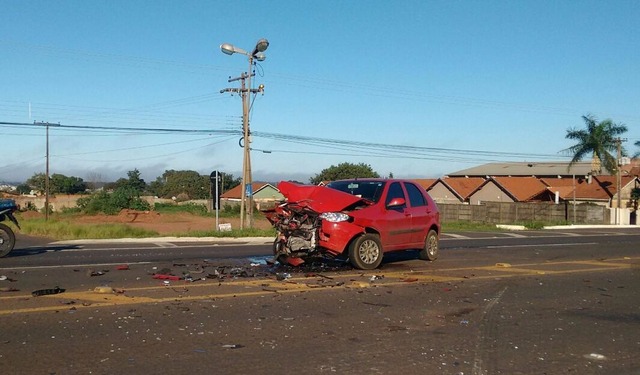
[(486, 331)]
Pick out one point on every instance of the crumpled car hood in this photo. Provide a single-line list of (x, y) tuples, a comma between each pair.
[(318, 198)]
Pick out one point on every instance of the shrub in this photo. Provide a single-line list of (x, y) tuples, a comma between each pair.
[(112, 203)]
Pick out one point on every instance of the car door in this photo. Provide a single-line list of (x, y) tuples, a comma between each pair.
[(396, 229), (421, 213)]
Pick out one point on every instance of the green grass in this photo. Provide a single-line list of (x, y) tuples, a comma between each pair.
[(62, 229), (169, 208), (540, 224)]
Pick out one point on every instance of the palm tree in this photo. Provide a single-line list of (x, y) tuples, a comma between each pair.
[(599, 139), (637, 154)]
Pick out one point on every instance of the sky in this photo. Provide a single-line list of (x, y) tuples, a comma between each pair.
[(416, 89)]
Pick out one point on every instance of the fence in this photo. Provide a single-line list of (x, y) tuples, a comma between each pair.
[(508, 213)]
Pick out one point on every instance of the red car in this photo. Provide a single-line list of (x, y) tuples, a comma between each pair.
[(360, 219)]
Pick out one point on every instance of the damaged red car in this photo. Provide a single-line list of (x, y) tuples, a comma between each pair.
[(358, 220)]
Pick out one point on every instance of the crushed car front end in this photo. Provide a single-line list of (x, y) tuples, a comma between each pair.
[(314, 221)]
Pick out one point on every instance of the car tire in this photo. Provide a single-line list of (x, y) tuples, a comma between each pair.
[(7, 240), (365, 252), (430, 249)]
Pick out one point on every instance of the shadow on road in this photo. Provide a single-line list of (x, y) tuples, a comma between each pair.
[(34, 250)]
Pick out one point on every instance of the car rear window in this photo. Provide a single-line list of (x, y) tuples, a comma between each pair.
[(415, 195), (371, 190)]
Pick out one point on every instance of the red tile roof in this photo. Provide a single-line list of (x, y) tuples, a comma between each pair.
[(426, 183), (584, 189), (463, 186), (521, 188)]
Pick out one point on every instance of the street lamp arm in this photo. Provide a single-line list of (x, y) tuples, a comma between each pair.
[(261, 46), (230, 49)]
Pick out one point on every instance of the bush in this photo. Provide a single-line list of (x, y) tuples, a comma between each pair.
[(196, 209), (113, 203), (230, 210)]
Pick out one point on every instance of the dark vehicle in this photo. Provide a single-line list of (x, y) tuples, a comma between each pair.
[(7, 237), (355, 219)]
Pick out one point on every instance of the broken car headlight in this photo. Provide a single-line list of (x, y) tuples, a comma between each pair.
[(334, 217)]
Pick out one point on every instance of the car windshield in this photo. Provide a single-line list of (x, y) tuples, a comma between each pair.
[(370, 190)]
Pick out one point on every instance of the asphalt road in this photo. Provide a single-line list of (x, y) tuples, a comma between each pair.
[(541, 302)]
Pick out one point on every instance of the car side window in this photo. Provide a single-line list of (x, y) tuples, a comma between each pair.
[(416, 198), (395, 191)]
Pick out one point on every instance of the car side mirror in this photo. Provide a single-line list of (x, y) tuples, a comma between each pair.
[(396, 202)]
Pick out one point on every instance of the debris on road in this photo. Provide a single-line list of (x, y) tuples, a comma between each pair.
[(595, 356), (45, 292), (161, 276), (104, 290), (232, 346), (92, 273)]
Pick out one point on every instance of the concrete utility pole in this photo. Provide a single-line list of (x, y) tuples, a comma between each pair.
[(246, 202), (618, 142), (46, 177)]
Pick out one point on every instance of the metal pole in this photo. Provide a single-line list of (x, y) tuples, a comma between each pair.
[(216, 204), (248, 192), (245, 132), (618, 180), (46, 181), (574, 198), (248, 147)]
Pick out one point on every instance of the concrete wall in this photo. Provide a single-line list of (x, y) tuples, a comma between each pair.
[(506, 213), (441, 194), (490, 192)]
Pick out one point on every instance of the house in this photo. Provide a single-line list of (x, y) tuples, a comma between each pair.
[(511, 189), (453, 189), (262, 192), (579, 190), (537, 169)]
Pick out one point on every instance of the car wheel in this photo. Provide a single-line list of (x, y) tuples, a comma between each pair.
[(7, 240), (365, 252), (430, 249)]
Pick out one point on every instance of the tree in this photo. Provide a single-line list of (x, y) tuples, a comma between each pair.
[(37, 181), (637, 154), (228, 182), (599, 140), (133, 182), (61, 184), (23, 189), (58, 183), (344, 171), (188, 184)]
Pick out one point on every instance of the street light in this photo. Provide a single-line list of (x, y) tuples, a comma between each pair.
[(246, 201)]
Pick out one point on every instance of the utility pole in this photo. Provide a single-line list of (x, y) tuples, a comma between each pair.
[(245, 90), (46, 177), (246, 208), (618, 142)]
